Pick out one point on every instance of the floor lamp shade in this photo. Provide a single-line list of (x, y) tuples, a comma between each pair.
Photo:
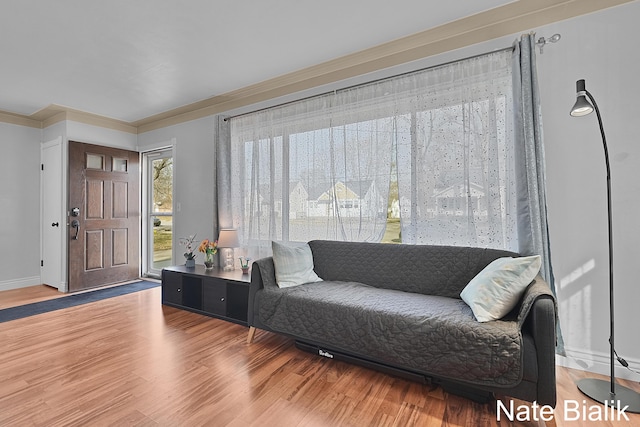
[(582, 107), (614, 395)]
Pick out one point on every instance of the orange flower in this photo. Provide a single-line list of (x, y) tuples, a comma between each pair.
[(208, 246)]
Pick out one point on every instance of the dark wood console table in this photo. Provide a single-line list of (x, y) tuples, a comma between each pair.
[(217, 293)]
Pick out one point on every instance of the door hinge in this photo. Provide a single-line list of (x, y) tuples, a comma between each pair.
[(41, 263), (41, 166)]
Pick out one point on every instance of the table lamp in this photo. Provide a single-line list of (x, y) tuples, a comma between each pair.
[(227, 240)]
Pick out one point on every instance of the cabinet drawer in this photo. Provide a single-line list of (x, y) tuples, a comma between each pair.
[(214, 296), (171, 287)]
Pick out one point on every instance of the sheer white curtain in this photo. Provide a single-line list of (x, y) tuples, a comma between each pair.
[(455, 156), (434, 147), (314, 169)]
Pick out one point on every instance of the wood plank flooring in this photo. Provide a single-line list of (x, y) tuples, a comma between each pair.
[(28, 295), (130, 361)]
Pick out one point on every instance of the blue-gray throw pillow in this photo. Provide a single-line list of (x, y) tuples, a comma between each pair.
[(496, 290), (293, 264)]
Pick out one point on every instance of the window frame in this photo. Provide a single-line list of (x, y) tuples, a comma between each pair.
[(148, 211)]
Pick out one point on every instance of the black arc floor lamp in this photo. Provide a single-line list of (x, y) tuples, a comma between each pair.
[(614, 395)]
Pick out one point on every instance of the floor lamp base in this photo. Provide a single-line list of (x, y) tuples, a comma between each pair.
[(600, 391)]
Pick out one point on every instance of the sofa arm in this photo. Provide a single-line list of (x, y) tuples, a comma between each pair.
[(254, 286), (262, 275), (541, 324)]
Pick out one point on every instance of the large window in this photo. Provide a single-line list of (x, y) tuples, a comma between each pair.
[(420, 158)]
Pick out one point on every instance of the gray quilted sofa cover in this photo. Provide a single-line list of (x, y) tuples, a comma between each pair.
[(400, 306)]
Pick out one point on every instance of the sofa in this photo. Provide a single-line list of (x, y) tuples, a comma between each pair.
[(398, 308)]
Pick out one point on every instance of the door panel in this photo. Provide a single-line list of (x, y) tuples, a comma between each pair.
[(103, 184), (94, 244), (94, 198), (120, 241), (120, 196)]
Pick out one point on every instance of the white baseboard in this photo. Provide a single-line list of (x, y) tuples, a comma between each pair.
[(598, 363), (6, 285)]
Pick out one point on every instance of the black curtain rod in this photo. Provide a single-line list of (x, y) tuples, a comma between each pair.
[(370, 82)]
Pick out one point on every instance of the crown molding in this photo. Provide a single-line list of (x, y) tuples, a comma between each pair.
[(57, 113), (19, 119), (514, 17)]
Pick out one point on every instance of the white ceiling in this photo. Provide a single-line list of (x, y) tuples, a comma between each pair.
[(131, 59)]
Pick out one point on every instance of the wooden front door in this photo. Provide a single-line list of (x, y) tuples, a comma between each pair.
[(104, 216)]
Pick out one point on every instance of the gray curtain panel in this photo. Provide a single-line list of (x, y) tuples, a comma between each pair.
[(533, 230), (223, 173)]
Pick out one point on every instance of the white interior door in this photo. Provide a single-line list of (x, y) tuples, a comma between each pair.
[(53, 221)]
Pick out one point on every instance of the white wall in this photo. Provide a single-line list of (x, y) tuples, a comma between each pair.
[(601, 48), (194, 171), (19, 206)]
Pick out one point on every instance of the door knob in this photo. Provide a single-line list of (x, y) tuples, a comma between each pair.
[(76, 224), (54, 224)]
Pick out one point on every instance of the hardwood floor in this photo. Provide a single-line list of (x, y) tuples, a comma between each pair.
[(129, 360), (28, 295)]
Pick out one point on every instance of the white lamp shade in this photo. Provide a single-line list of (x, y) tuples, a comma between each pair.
[(228, 238)]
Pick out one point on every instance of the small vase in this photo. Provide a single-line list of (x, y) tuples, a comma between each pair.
[(245, 270), (190, 263), (208, 260)]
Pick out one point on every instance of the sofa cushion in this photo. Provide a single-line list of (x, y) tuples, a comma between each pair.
[(422, 269), (496, 290), (434, 335), (293, 264)]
